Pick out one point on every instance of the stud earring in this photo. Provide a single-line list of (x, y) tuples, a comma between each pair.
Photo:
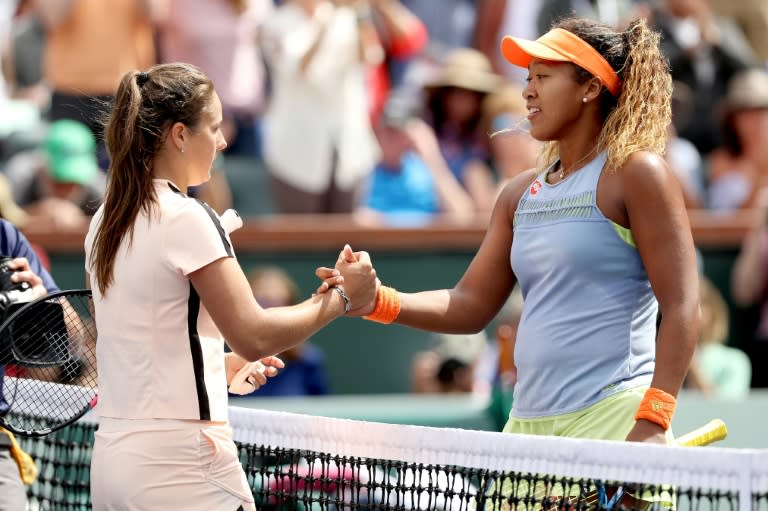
[(181, 149), (583, 100)]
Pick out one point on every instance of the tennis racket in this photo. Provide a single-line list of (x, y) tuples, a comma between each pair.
[(48, 357)]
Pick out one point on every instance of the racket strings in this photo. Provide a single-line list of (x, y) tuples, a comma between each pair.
[(50, 379)]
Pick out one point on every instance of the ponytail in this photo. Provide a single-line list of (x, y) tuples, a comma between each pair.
[(644, 112), (145, 105)]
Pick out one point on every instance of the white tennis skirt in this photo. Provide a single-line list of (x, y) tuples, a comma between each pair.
[(167, 464)]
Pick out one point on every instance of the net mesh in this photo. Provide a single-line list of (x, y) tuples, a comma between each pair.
[(48, 348), (300, 462)]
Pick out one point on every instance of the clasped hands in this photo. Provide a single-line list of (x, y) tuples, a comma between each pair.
[(353, 272)]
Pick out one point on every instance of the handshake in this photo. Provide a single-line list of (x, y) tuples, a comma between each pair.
[(355, 276)]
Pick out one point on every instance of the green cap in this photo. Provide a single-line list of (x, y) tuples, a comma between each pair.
[(71, 149)]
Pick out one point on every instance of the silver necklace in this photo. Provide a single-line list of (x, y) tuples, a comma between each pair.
[(576, 165)]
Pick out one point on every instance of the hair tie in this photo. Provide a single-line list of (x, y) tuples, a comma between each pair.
[(141, 79)]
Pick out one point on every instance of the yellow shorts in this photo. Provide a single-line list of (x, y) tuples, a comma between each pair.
[(609, 419)]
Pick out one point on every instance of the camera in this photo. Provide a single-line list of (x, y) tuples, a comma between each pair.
[(11, 292)]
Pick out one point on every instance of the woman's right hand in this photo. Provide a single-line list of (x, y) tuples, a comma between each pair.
[(332, 277), (360, 282)]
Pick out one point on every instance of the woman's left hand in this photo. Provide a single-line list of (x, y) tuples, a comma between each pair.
[(646, 431), (249, 376), (330, 276)]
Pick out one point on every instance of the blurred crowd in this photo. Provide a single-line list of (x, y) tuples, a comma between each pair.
[(392, 110)]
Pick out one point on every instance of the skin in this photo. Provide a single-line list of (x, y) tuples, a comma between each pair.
[(24, 273), (253, 333), (643, 195)]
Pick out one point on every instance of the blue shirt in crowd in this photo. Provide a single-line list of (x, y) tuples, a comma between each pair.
[(407, 192)]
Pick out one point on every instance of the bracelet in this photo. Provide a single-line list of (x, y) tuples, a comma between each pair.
[(387, 306), (658, 407), (343, 295)]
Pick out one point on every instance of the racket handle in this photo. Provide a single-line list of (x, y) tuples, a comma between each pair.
[(713, 431)]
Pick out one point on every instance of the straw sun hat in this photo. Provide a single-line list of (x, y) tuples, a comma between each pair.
[(468, 69)]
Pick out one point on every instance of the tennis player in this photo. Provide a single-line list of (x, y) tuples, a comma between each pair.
[(598, 240), (167, 291)]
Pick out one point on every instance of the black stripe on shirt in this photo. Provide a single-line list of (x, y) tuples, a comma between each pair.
[(217, 223), (214, 218), (196, 350)]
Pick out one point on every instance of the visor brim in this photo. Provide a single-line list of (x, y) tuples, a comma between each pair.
[(520, 52)]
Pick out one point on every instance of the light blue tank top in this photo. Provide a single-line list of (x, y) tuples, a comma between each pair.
[(588, 327)]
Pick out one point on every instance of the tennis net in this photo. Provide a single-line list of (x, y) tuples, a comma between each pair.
[(301, 462)]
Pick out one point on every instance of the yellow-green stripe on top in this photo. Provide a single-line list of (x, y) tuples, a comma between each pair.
[(625, 234)]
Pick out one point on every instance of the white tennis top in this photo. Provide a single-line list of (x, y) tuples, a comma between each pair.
[(159, 354)]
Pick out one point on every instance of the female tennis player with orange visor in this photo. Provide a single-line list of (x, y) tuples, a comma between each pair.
[(598, 240)]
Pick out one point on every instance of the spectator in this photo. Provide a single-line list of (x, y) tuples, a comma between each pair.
[(9, 210), (614, 14), (748, 286), (89, 44), (449, 27), (752, 17), (305, 372), (403, 37), (449, 366), (495, 19), (681, 154), (60, 185), (22, 59), (704, 52), (318, 140), (22, 97), (454, 109), (412, 182), (717, 370), (738, 170), (221, 38)]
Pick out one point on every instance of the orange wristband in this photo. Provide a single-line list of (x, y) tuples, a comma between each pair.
[(658, 407), (387, 306)]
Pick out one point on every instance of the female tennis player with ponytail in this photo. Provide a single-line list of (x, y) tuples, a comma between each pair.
[(598, 240), (167, 291)]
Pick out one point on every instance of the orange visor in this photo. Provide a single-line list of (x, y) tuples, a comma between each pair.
[(559, 45)]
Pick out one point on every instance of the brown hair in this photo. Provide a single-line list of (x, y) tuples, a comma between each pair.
[(638, 118), (145, 105)]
